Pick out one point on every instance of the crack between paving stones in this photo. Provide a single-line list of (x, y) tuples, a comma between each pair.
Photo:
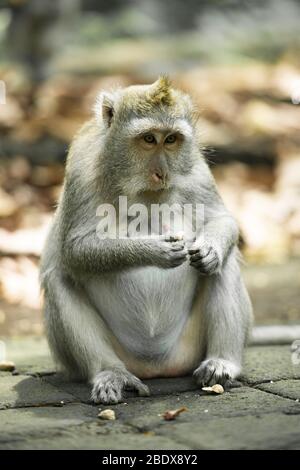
[(275, 394), (267, 381), (42, 405)]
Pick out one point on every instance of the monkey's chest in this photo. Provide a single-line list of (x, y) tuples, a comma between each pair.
[(146, 308)]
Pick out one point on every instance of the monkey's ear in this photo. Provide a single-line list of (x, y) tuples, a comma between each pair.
[(104, 108)]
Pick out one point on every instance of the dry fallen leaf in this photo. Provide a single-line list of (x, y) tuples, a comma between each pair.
[(217, 388), (169, 415)]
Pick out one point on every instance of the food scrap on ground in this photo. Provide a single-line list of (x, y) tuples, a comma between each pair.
[(108, 415), (217, 388), (169, 415), (7, 366)]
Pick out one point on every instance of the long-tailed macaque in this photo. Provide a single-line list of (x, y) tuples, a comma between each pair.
[(122, 309)]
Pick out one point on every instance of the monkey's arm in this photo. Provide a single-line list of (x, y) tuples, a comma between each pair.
[(83, 251), (88, 254), (210, 250), (220, 233)]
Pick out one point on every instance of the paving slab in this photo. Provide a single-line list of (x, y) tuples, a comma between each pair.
[(91, 437), (81, 391), (139, 424), (266, 363), (283, 388), (20, 391), (17, 424), (262, 413), (265, 431), (144, 413), (30, 355)]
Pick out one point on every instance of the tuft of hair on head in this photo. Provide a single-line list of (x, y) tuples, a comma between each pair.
[(160, 92)]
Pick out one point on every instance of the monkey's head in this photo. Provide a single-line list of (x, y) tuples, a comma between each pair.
[(149, 135)]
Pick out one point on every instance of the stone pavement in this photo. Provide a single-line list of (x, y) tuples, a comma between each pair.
[(38, 410)]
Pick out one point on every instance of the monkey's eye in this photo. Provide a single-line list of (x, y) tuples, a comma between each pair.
[(149, 139), (171, 139)]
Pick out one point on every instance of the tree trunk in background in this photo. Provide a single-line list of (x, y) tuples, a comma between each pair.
[(36, 31)]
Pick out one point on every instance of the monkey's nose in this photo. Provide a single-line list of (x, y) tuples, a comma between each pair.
[(159, 176)]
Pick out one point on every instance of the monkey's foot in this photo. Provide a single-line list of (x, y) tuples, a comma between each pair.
[(216, 371), (205, 259), (108, 386)]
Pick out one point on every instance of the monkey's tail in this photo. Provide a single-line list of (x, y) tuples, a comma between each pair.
[(274, 334)]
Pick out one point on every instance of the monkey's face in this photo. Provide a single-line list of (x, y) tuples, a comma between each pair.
[(157, 147), (155, 152), (150, 138)]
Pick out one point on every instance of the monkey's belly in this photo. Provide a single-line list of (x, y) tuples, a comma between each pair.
[(146, 309)]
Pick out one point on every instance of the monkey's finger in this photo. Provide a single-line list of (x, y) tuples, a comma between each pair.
[(206, 376), (143, 391), (210, 256), (106, 394), (206, 261), (198, 266), (175, 260), (179, 255), (171, 238), (192, 251), (174, 264), (202, 251), (205, 267), (205, 251), (178, 246), (231, 383), (178, 262), (138, 385), (112, 395), (195, 257)]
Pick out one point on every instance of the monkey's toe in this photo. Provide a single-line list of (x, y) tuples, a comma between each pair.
[(108, 387), (216, 371), (133, 383), (106, 395)]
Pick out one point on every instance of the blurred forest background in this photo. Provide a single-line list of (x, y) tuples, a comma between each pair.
[(239, 59)]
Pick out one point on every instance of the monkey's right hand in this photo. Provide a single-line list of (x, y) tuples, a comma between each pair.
[(169, 254)]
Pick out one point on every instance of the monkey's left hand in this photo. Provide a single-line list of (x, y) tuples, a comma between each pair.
[(204, 258)]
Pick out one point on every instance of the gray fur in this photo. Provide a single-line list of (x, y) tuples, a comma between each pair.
[(114, 307)]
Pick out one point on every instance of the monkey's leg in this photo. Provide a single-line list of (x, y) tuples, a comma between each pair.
[(227, 315), (80, 341)]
